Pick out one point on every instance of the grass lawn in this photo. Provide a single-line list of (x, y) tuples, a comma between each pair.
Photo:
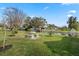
[(44, 46)]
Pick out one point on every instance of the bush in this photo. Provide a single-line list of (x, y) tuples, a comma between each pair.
[(13, 32), (50, 33)]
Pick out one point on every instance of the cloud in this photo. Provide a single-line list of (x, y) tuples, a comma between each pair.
[(69, 15), (45, 8), (72, 12), (66, 4)]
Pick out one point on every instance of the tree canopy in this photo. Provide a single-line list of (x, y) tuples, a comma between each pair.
[(14, 17), (73, 23)]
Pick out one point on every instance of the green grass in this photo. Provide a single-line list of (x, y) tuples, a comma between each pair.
[(45, 45)]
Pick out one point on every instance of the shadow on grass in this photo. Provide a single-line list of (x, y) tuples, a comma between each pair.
[(6, 47), (68, 46)]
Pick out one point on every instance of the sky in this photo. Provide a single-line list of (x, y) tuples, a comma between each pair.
[(54, 13)]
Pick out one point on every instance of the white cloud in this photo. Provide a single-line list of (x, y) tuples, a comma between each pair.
[(45, 8), (72, 12), (69, 15), (66, 3)]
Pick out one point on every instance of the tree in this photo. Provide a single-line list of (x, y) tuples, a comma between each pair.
[(73, 23), (14, 18), (38, 22), (64, 28), (27, 23), (50, 28)]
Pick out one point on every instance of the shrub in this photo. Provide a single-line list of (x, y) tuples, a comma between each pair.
[(50, 33)]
